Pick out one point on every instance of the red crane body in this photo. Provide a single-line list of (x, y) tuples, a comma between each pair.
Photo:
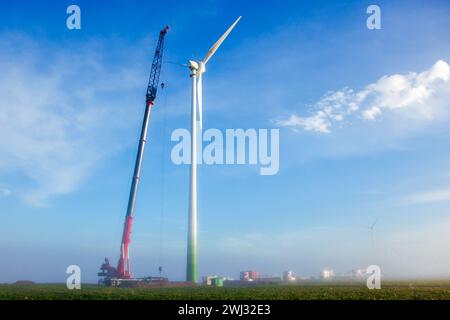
[(123, 267)]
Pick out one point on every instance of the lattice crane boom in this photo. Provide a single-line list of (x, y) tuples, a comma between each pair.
[(123, 268)]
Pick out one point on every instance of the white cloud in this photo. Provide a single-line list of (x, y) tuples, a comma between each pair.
[(429, 196), (60, 111), (409, 93), (317, 122), (5, 192)]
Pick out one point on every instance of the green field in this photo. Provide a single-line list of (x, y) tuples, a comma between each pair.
[(390, 290)]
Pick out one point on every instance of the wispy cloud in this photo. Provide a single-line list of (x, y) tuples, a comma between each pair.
[(60, 111), (5, 192), (409, 93), (428, 196)]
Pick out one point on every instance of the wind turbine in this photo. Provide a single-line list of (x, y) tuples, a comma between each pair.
[(371, 228), (197, 68)]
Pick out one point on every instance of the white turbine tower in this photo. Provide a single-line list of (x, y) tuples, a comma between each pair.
[(197, 69)]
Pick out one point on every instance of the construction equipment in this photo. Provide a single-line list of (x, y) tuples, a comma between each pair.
[(110, 274)]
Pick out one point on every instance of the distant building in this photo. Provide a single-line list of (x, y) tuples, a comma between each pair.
[(327, 274), (207, 280), (24, 282), (359, 273), (213, 280), (249, 275), (217, 282), (288, 276)]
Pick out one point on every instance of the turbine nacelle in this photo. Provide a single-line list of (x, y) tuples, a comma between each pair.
[(197, 67)]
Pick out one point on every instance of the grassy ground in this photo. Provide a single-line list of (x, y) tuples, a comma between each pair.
[(389, 290)]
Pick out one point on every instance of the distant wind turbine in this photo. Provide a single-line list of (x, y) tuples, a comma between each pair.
[(371, 228)]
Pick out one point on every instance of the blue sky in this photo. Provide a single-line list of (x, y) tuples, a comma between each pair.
[(72, 103)]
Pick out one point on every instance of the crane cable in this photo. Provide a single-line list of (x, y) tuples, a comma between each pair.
[(163, 169)]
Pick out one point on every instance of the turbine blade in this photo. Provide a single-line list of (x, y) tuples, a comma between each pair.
[(176, 63), (373, 224), (200, 100), (216, 45)]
